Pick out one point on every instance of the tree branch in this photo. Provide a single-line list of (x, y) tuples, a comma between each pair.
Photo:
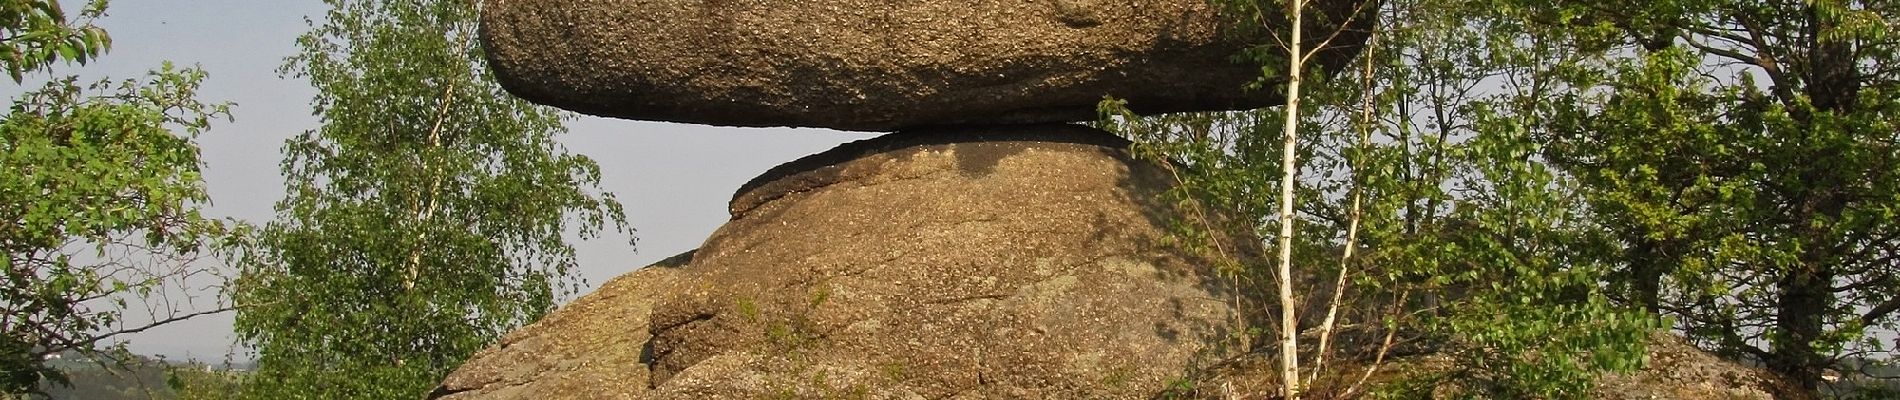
[(1881, 311), (154, 324)]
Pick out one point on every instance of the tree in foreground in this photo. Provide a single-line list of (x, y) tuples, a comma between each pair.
[(1548, 178), (422, 220), (1424, 218), (100, 194), (1743, 152)]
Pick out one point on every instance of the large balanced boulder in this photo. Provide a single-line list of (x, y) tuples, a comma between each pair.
[(1021, 262), (881, 65)]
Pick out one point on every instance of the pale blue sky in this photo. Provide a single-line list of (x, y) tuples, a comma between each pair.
[(674, 179)]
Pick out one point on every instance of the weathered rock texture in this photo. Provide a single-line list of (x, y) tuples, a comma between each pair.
[(592, 348), (1021, 262), (1678, 370), (880, 65), (1674, 370)]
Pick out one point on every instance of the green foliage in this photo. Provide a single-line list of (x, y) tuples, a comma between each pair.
[(34, 34), (100, 190), (1742, 154), (1726, 165), (1532, 320), (421, 221), (195, 381), (100, 193), (1469, 241)]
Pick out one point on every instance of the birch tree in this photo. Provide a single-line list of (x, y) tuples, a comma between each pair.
[(1422, 166), (423, 219)]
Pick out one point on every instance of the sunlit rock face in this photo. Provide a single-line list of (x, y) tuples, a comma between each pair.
[(1023, 262), (882, 65), (985, 250)]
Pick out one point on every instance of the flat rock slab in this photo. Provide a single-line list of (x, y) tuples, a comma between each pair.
[(1024, 263), (876, 65)]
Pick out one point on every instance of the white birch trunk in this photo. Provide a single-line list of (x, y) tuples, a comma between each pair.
[(1289, 323)]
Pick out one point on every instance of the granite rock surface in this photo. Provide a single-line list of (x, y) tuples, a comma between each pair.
[(882, 65)]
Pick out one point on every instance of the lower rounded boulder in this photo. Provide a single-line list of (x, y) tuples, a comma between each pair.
[(998, 262)]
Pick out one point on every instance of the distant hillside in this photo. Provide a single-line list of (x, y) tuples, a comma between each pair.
[(143, 378)]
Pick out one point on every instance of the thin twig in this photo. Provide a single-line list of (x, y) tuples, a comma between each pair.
[(1385, 348)]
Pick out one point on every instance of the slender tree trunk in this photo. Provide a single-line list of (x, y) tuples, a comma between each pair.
[(1807, 288), (1289, 323), (1326, 328), (412, 270)]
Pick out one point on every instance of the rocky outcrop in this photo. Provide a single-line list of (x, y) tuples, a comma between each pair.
[(1673, 369), (592, 348), (1002, 262), (881, 65), (956, 259), (1678, 370)]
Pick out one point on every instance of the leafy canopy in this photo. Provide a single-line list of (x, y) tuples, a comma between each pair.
[(1467, 243), (422, 220), (100, 196), (34, 34)]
